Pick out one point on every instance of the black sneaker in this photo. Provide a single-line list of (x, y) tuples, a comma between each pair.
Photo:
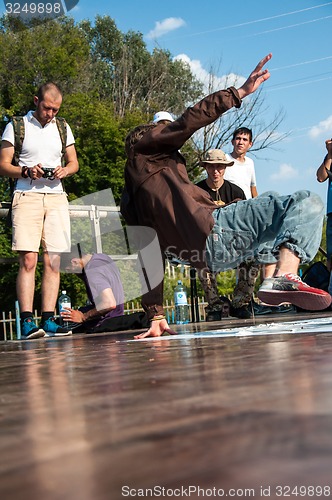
[(213, 316), (243, 312), (284, 308), (260, 309)]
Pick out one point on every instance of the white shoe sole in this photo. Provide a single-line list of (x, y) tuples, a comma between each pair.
[(35, 335), (65, 334), (304, 300)]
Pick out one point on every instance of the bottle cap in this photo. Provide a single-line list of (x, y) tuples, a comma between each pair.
[(63, 292)]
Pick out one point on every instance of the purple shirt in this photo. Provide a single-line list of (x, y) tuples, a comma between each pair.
[(101, 272)]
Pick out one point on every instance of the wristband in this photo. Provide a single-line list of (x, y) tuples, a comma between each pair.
[(158, 318), (25, 172)]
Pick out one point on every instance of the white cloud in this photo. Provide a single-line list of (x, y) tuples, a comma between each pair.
[(165, 26), (194, 65), (211, 82), (323, 128), (285, 172)]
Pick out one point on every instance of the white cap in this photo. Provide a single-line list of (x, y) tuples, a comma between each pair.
[(162, 115)]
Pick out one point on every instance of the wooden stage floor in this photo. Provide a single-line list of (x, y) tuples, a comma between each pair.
[(102, 417)]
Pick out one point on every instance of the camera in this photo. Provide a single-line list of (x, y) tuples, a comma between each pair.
[(48, 173)]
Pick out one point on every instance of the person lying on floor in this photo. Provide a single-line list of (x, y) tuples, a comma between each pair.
[(103, 286)]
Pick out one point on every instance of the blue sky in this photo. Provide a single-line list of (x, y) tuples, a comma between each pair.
[(233, 37)]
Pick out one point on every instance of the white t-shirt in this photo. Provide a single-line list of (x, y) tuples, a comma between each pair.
[(242, 174), (40, 145)]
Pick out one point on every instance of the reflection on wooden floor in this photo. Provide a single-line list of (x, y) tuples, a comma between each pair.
[(97, 417)]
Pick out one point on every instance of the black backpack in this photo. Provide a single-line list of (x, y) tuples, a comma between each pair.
[(317, 275)]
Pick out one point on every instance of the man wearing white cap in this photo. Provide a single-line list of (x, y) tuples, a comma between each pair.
[(163, 117)]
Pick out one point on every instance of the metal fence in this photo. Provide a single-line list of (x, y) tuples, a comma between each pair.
[(98, 215), (8, 319)]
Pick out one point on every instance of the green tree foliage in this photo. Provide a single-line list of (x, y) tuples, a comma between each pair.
[(56, 51), (137, 79), (99, 142)]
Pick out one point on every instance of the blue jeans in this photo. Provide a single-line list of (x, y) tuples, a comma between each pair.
[(256, 228)]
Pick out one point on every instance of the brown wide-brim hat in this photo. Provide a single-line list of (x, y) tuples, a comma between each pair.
[(216, 156)]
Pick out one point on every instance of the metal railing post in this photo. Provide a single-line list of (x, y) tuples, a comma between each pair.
[(18, 320)]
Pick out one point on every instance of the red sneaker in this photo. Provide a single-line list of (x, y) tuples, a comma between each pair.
[(290, 288)]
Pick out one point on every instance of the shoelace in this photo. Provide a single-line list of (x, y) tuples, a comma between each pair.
[(295, 277)]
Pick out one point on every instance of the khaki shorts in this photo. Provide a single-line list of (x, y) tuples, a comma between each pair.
[(40, 219)]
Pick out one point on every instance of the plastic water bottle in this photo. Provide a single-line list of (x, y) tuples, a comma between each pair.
[(64, 303), (181, 304)]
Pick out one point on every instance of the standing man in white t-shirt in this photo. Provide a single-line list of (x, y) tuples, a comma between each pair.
[(40, 214), (243, 171)]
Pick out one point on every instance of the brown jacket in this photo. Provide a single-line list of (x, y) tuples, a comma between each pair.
[(161, 194)]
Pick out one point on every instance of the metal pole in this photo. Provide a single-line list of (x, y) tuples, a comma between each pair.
[(18, 320), (193, 296)]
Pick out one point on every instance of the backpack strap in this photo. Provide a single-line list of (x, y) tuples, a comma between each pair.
[(62, 128), (18, 126)]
